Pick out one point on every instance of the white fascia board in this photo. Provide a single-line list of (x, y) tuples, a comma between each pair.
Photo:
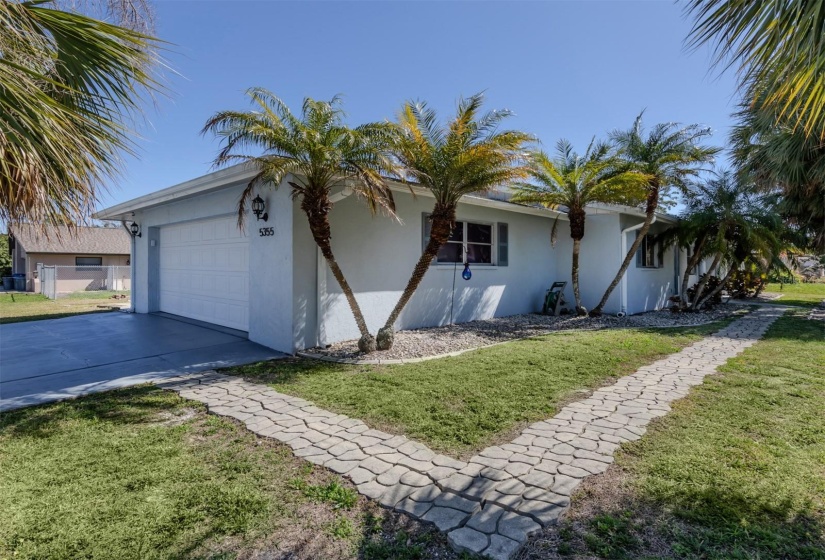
[(397, 186), (243, 172), (205, 183), (599, 208)]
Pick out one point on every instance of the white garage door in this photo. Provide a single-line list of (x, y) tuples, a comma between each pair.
[(204, 272)]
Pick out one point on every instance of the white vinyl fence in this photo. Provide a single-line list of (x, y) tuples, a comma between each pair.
[(85, 281)]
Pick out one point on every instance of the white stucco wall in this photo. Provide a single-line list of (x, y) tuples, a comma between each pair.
[(598, 260), (649, 289), (270, 258), (377, 256)]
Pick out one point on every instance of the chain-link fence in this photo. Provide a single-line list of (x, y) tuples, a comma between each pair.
[(85, 281)]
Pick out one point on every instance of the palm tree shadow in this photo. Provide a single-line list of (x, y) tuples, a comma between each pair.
[(134, 405)]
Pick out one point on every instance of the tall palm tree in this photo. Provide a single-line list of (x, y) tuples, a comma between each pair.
[(782, 158), (667, 155), (779, 48), (574, 181), (69, 87), (469, 154), (319, 153)]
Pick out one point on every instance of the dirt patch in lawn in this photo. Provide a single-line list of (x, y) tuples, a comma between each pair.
[(607, 519)]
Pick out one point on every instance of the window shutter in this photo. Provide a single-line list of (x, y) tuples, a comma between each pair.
[(425, 230), (639, 252), (503, 245)]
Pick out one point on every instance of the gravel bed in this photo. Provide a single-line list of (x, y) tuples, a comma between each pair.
[(433, 341)]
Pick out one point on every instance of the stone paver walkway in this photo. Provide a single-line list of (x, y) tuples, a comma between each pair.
[(495, 501)]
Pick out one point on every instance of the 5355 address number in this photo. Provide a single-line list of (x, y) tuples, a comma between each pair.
[(266, 231)]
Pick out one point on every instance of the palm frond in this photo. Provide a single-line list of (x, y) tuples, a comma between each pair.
[(70, 87)]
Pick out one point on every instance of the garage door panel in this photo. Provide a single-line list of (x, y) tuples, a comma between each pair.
[(204, 272)]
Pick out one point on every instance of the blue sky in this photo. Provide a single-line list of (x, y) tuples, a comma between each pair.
[(567, 69)]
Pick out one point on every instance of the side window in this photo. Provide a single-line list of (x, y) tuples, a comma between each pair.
[(646, 255)]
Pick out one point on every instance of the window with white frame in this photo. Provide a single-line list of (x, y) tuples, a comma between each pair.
[(86, 263), (646, 256), (475, 240)]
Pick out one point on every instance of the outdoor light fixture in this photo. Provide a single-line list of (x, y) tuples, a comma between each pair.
[(258, 208), (135, 229)]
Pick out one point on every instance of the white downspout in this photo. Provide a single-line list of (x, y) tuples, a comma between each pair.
[(132, 283), (625, 231), (321, 277)]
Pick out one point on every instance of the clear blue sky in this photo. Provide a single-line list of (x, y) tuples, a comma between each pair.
[(567, 69)]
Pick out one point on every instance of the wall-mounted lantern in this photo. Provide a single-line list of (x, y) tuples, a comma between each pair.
[(259, 207), (134, 229)]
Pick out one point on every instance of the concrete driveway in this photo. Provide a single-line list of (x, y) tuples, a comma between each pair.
[(42, 361)]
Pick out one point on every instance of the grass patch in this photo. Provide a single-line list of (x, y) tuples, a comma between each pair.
[(461, 404), (20, 307), (333, 492), (803, 294), (737, 470), (143, 474)]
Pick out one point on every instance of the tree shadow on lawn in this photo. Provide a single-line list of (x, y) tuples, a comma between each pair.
[(612, 518), (135, 405), (289, 370)]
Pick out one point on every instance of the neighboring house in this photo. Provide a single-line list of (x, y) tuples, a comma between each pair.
[(72, 249), (270, 281)]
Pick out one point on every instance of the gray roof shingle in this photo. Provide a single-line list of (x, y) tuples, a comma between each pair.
[(82, 240)]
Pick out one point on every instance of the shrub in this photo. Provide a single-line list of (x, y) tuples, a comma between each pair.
[(745, 283), (712, 283)]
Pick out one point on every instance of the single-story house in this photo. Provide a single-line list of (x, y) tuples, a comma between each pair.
[(72, 250), (192, 260)]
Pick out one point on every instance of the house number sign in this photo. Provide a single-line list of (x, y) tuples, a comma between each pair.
[(266, 231)]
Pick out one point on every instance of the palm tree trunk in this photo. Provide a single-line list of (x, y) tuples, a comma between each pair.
[(703, 282), (718, 288), (580, 310), (443, 219), (317, 210), (759, 288), (650, 213), (692, 263), (577, 217)]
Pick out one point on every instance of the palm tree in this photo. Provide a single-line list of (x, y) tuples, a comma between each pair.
[(668, 155), (69, 86), (467, 155), (733, 224), (779, 48), (318, 153), (783, 159), (574, 181)]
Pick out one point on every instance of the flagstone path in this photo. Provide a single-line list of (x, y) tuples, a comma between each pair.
[(495, 501)]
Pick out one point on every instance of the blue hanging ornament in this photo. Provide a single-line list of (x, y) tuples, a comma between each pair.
[(467, 274)]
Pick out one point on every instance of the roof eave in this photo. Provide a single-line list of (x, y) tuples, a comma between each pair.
[(205, 183), (242, 172)]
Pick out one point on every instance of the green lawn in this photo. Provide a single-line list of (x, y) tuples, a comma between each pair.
[(143, 474), (807, 295), (461, 404), (33, 307), (737, 470)]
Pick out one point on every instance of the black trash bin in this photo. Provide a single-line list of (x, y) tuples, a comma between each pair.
[(8, 283)]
